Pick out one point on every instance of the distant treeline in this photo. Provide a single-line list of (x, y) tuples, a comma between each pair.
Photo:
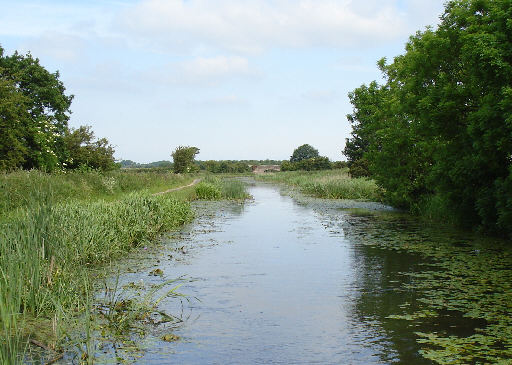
[(129, 164), (437, 135), (221, 166)]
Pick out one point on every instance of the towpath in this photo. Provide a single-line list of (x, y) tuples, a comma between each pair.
[(178, 188)]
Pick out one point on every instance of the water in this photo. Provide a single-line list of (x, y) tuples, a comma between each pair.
[(280, 282)]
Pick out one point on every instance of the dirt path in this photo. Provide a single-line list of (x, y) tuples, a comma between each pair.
[(178, 188)]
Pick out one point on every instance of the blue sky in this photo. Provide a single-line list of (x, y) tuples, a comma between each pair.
[(239, 79)]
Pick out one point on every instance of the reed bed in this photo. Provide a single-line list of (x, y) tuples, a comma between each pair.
[(330, 184), (53, 237), (215, 188)]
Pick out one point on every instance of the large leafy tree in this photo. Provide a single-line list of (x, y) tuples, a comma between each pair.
[(304, 152), (440, 128), (34, 114), (47, 106)]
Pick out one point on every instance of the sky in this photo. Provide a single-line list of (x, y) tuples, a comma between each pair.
[(239, 79)]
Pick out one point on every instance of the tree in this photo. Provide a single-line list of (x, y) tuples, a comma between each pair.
[(440, 128), (14, 119), (303, 153), (85, 151), (46, 110), (183, 157)]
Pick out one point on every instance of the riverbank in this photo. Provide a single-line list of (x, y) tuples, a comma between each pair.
[(58, 231)]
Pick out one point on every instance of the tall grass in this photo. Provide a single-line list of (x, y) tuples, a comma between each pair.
[(331, 184), (46, 251), (214, 188), (22, 189)]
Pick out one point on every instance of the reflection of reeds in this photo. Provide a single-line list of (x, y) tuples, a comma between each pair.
[(46, 252), (332, 184)]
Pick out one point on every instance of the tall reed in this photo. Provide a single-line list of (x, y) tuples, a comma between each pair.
[(215, 188), (46, 251), (331, 184)]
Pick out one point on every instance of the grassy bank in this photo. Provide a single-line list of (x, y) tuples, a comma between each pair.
[(57, 230), (23, 189), (330, 184)]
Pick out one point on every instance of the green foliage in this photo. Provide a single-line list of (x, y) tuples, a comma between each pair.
[(339, 164), (44, 111), (14, 119), (441, 124), (304, 152), (183, 157), (84, 150), (359, 168), (334, 184), (310, 164), (34, 114)]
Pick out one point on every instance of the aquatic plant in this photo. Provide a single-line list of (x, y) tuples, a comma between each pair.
[(330, 184), (458, 303), (215, 188), (208, 191)]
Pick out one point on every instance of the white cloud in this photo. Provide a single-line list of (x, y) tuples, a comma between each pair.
[(230, 100), (202, 68), (199, 71), (252, 26), (60, 46)]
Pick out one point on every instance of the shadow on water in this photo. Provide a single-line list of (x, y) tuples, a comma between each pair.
[(309, 281)]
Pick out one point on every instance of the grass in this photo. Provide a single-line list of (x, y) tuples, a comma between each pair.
[(23, 189), (330, 184), (57, 230), (215, 188)]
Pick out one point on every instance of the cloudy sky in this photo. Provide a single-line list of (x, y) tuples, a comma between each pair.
[(240, 79)]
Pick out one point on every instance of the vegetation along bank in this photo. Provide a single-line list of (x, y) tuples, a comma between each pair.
[(436, 134), (57, 230)]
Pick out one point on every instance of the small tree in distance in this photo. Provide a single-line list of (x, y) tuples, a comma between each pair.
[(183, 157), (304, 152)]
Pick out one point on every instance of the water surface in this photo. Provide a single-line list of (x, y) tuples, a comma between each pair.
[(286, 281)]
